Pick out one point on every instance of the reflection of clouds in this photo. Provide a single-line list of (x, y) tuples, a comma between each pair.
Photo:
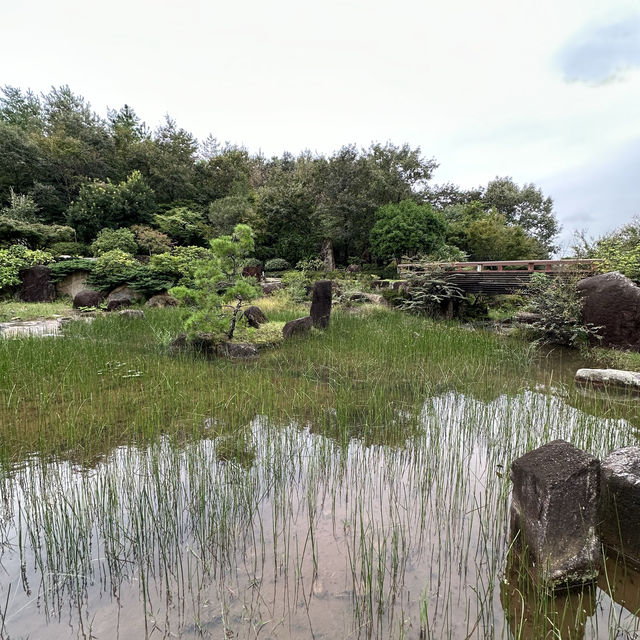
[(599, 53)]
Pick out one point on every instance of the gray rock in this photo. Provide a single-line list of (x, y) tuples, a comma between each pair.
[(321, 304), (619, 512), (132, 313), (36, 285), (609, 378), (87, 298), (127, 291), (354, 268), (270, 287), (118, 301), (554, 513), (161, 301), (297, 327), (237, 350), (255, 316), (611, 302), (375, 298)]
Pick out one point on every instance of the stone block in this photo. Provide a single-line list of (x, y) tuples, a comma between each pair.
[(554, 513), (619, 513), (321, 304), (36, 285)]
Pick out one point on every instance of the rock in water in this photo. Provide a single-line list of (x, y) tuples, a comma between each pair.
[(37, 285), (321, 304), (611, 302), (255, 317), (297, 327), (619, 513), (609, 378), (554, 513)]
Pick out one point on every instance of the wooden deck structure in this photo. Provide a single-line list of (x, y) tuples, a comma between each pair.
[(498, 277)]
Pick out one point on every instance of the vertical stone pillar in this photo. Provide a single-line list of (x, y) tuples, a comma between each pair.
[(553, 513), (321, 304), (619, 512)]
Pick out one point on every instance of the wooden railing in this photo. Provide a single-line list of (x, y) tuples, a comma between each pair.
[(545, 266)]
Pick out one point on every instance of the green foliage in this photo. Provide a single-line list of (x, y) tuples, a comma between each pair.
[(111, 239), (426, 293), (276, 264), (252, 262), (112, 269), (183, 225), (225, 213), (491, 238), (230, 250), (180, 264), (151, 241), (310, 264), (105, 204), (406, 228), (68, 249), (35, 235), (619, 251), (558, 302), (296, 283), (21, 207), (60, 270), (16, 258), (147, 281), (208, 297)]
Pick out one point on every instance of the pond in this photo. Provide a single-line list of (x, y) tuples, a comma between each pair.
[(322, 525)]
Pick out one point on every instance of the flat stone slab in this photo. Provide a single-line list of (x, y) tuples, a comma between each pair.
[(609, 378), (554, 513), (619, 512)]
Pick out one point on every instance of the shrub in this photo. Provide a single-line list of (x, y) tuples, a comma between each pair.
[(114, 239), (151, 241), (558, 302), (36, 235), (68, 249), (180, 265), (60, 270), (276, 264), (16, 258), (310, 264), (251, 262), (112, 269), (426, 293)]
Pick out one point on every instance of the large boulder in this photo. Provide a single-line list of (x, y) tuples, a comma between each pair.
[(237, 350), (72, 284), (255, 316), (161, 301), (124, 290), (253, 272), (321, 304), (611, 302), (297, 327), (37, 285), (87, 298), (609, 379)]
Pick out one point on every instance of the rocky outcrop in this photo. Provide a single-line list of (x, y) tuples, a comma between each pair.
[(611, 302), (72, 284), (36, 285)]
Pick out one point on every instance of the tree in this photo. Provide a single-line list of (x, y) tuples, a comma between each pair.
[(525, 206), (110, 239), (105, 204), (406, 228), (208, 295), (183, 225), (227, 212), (491, 238)]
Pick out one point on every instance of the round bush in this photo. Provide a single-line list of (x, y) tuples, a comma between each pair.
[(276, 264)]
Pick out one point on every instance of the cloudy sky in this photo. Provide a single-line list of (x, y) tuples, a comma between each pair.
[(545, 91)]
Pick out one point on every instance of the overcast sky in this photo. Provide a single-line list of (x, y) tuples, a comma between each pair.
[(545, 91)]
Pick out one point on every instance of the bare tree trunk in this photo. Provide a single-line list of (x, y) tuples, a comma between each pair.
[(327, 256), (234, 318)]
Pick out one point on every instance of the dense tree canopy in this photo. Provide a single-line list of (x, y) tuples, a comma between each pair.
[(62, 164)]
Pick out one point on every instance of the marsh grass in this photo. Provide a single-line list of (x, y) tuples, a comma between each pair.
[(14, 309), (353, 483)]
